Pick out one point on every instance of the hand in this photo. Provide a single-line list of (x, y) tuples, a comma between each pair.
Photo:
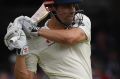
[(28, 26), (12, 31), (19, 45)]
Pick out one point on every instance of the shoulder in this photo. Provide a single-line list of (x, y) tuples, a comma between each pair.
[(83, 19), (86, 19), (82, 16), (83, 22)]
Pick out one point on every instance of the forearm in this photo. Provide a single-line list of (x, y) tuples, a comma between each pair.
[(54, 35), (68, 36), (20, 69)]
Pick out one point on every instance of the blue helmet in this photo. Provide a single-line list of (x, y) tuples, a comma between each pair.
[(57, 2), (66, 1)]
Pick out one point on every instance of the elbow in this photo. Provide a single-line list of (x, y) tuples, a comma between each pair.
[(70, 40), (74, 39)]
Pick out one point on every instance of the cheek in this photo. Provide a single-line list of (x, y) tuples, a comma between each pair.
[(64, 15), (61, 14)]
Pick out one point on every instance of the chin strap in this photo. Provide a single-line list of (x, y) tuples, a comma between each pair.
[(66, 25)]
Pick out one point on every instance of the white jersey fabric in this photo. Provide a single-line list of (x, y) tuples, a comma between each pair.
[(61, 61)]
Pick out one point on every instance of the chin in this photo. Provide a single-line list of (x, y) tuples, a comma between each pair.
[(69, 22)]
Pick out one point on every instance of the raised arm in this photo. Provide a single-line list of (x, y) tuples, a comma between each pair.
[(20, 70), (66, 36)]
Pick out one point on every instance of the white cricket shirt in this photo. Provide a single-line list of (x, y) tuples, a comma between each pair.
[(62, 61)]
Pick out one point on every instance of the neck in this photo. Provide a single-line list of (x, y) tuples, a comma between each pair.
[(54, 24)]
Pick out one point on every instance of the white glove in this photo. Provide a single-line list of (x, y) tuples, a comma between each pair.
[(19, 45), (16, 24), (28, 26), (11, 32)]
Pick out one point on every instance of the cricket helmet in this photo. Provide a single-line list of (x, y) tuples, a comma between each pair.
[(51, 3), (58, 2)]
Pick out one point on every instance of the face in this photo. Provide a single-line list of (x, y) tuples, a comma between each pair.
[(66, 13)]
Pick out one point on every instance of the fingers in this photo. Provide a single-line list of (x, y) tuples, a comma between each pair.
[(10, 34), (9, 26), (15, 40)]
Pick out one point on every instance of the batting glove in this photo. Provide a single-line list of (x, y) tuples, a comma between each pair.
[(11, 32), (28, 26), (20, 45)]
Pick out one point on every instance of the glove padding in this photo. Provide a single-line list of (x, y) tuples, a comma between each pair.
[(16, 24), (12, 31), (20, 45), (28, 26)]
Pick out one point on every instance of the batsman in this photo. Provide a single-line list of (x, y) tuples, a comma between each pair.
[(62, 47)]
